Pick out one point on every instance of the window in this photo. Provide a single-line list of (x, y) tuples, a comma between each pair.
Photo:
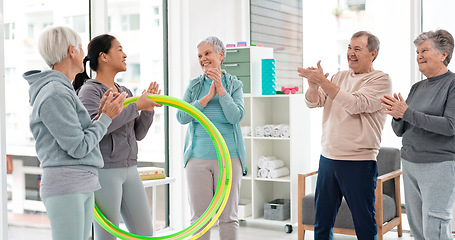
[(156, 17), (130, 22), (356, 5), (25, 19), (141, 37), (79, 23), (437, 14), (279, 26), (9, 31), (142, 40)]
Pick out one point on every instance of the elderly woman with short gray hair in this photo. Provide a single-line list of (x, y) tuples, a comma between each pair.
[(66, 137), (219, 96), (426, 123)]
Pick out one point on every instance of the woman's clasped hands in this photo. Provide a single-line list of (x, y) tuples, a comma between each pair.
[(216, 86), (394, 105), (216, 75)]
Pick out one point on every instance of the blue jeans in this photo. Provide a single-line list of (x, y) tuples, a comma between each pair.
[(356, 181)]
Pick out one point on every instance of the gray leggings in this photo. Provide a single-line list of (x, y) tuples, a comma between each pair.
[(70, 215), (429, 195), (202, 178), (122, 192)]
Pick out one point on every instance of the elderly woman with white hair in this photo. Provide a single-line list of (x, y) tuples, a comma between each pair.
[(426, 123), (66, 137), (219, 96)]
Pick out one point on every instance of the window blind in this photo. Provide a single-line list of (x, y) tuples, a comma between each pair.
[(278, 24)]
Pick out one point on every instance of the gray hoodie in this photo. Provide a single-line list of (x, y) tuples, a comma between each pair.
[(119, 146), (64, 133)]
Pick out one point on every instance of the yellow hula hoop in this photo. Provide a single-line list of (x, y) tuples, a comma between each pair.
[(223, 189)]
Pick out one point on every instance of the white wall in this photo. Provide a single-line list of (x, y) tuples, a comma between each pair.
[(190, 22)]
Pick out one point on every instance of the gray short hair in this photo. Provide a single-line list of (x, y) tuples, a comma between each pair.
[(54, 42), (373, 41), (442, 41), (216, 43)]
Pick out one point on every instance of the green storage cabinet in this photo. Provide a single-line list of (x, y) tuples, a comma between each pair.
[(237, 55), (245, 64), (246, 84), (237, 69), (237, 62)]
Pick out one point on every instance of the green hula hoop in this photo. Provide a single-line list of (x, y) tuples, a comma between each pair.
[(223, 189)]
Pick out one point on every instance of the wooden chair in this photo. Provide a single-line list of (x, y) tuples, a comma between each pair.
[(387, 204)]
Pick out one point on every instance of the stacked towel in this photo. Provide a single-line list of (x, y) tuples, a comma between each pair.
[(274, 164), (285, 131), (246, 131), (271, 167), (262, 161), (263, 173), (280, 172), (269, 130), (259, 131), (276, 132)]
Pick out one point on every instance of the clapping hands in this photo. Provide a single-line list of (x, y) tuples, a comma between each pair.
[(145, 103), (313, 75), (111, 104)]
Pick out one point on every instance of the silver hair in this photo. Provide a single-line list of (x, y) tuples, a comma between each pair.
[(54, 42), (441, 40), (373, 41), (216, 43)]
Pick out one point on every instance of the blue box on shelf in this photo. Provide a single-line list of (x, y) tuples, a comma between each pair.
[(268, 76)]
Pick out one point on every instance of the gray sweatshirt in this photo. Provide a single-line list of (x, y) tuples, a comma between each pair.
[(428, 125), (118, 147), (64, 132)]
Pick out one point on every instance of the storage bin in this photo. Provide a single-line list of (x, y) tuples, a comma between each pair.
[(278, 209), (244, 208)]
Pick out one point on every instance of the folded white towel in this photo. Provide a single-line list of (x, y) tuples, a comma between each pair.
[(274, 164), (285, 131), (268, 129), (276, 132), (262, 161), (246, 131), (259, 131), (263, 173), (280, 172)]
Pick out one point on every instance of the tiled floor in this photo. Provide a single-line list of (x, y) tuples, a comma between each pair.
[(36, 226), (247, 231), (253, 231)]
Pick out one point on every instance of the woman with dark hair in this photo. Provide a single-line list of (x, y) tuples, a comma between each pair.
[(426, 123), (121, 186), (66, 138)]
